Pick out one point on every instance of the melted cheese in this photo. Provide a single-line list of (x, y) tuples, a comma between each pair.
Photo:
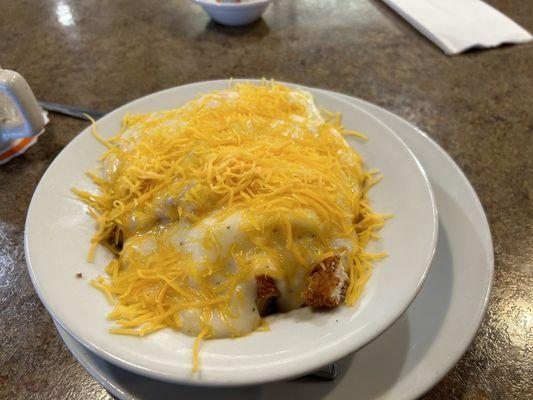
[(238, 183)]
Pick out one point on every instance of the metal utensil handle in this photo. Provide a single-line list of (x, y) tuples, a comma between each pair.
[(328, 372), (76, 112)]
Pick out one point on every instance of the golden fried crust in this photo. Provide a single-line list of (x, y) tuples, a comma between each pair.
[(323, 282), (267, 292)]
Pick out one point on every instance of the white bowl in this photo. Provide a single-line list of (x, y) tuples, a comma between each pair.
[(234, 14), (57, 237)]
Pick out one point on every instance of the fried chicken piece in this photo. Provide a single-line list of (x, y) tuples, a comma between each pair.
[(267, 293), (327, 285)]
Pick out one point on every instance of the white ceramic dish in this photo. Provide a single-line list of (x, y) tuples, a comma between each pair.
[(234, 14), (414, 353), (58, 232)]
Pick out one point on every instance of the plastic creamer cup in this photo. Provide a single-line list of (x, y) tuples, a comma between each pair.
[(21, 118)]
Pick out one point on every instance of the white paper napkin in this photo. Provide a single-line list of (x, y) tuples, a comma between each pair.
[(459, 25)]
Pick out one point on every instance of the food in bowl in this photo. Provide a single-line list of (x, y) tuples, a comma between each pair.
[(242, 203)]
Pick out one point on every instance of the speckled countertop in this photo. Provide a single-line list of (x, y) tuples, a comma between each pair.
[(101, 54)]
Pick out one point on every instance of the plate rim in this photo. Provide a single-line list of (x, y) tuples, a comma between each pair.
[(117, 390), (338, 351), (488, 237)]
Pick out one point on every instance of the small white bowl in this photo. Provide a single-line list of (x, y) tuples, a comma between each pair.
[(234, 14)]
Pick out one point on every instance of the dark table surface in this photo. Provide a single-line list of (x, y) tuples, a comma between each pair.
[(101, 54)]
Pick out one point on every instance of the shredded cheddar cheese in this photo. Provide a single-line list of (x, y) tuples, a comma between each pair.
[(197, 201)]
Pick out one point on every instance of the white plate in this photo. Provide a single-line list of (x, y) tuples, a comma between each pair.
[(58, 232), (413, 354)]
